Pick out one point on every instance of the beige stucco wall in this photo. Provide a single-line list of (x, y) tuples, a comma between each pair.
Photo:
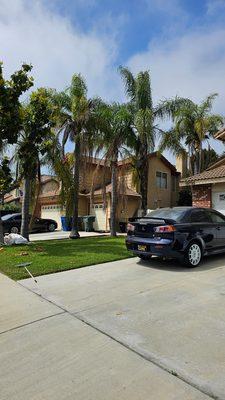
[(125, 174), (89, 175), (218, 187), (50, 186), (83, 206), (127, 207), (158, 197)]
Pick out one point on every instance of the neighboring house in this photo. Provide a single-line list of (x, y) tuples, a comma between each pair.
[(208, 187), (162, 191)]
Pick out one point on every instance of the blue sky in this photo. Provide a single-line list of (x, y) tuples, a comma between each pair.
[(181, 43)]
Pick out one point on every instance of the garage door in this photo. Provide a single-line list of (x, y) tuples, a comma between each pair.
[(218, 201), (52, 212), (100, 217)]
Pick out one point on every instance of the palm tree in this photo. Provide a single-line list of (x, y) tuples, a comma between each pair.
[(62, 166), (145, 129), (116, 131), (78, 120), (193, 125)]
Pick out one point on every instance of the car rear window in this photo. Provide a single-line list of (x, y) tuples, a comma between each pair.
[(164, 213), (6, 217)]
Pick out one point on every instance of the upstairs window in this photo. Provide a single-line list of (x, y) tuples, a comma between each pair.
[(161, 180)]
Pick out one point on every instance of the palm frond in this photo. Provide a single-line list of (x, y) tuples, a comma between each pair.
[(207, 104), (172, 107), (143, 91), (129, 82), (171, 141)]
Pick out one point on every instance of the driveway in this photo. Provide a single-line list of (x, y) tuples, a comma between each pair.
[(61, 235), (126, 329)]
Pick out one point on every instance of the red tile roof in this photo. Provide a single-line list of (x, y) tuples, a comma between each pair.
[(218, 172)]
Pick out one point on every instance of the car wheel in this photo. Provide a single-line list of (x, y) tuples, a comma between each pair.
[(144, 257), (193, 255), (51, 227)]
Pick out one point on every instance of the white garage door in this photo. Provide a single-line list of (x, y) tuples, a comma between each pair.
[(218, 201), (100, 217), (52, 212)]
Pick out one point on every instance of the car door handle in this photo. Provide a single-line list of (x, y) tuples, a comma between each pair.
[(218, 228)]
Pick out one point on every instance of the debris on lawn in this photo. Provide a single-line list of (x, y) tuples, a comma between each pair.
[(14, 238), (24, 253), (1, 248), (39, 249)]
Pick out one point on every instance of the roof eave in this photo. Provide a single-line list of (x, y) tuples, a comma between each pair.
[(202, 181)]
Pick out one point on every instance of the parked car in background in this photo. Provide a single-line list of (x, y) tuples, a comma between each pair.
[(184, 233), (12, 223)]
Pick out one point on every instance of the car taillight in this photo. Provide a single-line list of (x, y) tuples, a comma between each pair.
[(164, 228), (130, 227)]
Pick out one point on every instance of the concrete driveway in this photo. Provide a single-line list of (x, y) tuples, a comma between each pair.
[(61, 235), (126, 330)]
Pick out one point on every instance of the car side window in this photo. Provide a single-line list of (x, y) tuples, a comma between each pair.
[(17, 218), (217, 218), (199, 216)]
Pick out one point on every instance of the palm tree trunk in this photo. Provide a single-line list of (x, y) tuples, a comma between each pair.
[(143, 172), (200, 159), (37, 194), (74, 234), (25, 208), (1, 230), (113, 197)]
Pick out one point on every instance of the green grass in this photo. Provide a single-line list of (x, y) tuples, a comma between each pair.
[(60, 255)]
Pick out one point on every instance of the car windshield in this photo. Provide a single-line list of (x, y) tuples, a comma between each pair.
[(175, 214), (8, 216)]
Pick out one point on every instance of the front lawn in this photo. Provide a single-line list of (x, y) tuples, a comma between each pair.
[(60, 255)]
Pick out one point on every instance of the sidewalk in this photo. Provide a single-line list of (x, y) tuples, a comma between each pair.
[(48, 353)]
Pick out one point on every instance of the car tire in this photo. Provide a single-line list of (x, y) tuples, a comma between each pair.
[(193, 255), (51, 227), (144, 257)]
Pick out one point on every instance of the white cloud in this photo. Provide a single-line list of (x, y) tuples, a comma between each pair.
[(191, 66), (215, 6), (31, 33), (172, 8)]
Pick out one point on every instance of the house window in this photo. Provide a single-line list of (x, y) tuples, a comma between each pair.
[(161, 180)]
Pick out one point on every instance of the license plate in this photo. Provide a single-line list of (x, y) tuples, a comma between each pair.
[(142, 248)]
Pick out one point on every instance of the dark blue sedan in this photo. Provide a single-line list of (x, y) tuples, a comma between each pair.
[(184, 233)]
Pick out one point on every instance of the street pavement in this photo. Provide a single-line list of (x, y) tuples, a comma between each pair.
[(121, 330)]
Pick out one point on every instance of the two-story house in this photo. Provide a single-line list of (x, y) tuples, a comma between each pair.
[(163, 184)]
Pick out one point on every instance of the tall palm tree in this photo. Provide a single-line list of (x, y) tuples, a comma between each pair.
[(116, 131), (78, 120), (193, 125), (61, 165), (146, 130)]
